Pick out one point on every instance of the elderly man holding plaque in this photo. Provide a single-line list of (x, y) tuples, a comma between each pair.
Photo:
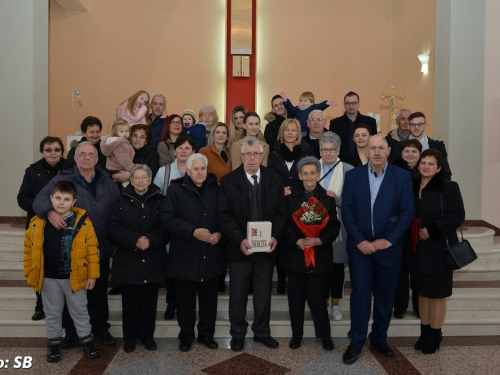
[(307, 255), (251, 193)]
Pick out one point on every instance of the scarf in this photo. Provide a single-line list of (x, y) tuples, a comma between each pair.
[(336, 183), (290, 156)]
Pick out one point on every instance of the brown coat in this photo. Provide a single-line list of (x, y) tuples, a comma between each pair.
[(216, 165)]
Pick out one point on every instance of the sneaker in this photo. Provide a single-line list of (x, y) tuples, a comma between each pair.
[(54, 350), (329, 309), (89, 348), (336, 313)]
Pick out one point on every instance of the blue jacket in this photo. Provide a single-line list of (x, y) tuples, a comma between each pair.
[(156, 128), (303, 115), (199, 133), (393, 208), (97, 207)]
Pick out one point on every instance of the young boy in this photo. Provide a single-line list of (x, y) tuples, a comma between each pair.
[(63, 264), (306, 106), (197, 131)]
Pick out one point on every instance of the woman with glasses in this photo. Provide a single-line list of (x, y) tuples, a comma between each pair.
[(171, 131), (36, 177)]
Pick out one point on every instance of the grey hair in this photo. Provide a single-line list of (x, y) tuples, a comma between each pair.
[(159, 96), (85, 143), (316, 111), (251, 141), (189, 161), (139, 167), (330, 137), (398, 113), (308, 160)]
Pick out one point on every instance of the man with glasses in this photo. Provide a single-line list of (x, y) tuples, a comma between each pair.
[(95, 193), (418, 124), (277, 115), (250, 193), (344, 126), (158, 107), (316, 124)]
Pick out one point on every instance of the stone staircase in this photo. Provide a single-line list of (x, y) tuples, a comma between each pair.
[(473, 310)]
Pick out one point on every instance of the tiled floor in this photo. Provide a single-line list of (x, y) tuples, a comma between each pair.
[(458, 355)]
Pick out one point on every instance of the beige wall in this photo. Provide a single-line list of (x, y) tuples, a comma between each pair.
[(121, 46), (331, 48), (491, 131)]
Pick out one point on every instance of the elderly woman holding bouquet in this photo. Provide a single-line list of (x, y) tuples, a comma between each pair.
[(308, 257)]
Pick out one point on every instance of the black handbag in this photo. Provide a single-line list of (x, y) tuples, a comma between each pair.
[(460, 254)]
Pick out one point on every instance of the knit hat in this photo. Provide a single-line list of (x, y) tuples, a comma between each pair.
[(189, 112)]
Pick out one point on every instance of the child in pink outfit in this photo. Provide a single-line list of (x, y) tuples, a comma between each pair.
[(134, 109), (117, 148)]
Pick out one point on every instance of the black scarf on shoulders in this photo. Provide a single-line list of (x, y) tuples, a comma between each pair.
[(288, 155)]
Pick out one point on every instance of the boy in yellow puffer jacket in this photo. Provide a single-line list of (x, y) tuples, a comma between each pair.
[(63, 264)]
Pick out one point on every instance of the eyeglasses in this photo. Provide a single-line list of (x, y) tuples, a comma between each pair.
[(329, 150), (307, 174), (141, 137), (83, 155), (350, 104), (317, 120), (176, 123), (417, 124), (51, 150), (250, 155)]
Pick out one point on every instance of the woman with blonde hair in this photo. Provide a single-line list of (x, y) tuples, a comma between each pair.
[(134, 109), (208, 116), (236, 127), (217, 151)]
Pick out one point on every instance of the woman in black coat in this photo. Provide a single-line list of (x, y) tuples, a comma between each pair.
[(439, 211), (36, 177), (139, 138), (308, 282), (196, 258), (134, 227), (283, 158)]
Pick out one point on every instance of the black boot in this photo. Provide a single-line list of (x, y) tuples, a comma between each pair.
[(89, 348), (425, 330), (170, 312), (433, 342), (54, 350)]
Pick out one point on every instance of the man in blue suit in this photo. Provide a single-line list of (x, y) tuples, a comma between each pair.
[(377, 209)]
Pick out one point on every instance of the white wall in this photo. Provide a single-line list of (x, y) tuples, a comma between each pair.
[(23, 93)]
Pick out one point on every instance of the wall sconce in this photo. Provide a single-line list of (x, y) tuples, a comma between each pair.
[(424, 60)]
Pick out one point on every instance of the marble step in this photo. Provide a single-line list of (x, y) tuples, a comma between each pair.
[(11, 235), (457, 323), (463, 299), (478, 271)]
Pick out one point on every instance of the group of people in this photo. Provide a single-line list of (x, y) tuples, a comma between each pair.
[(169, 200)]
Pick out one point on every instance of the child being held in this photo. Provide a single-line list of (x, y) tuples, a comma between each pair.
[(134, 109), (193, 130), (117, 148), (63, 264), (306, 106)]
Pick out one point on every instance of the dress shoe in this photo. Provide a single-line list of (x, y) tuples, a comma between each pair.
[(38, 315), (383, 348), (399, 314), (149, 344), (267, 341), (295, 342), (105, 337), (128, 347), (69, 340), (209, 342), (351, 354), (327, 342), (185, 346), (170, 312), (281, 289), (115, 291), (237, 345)]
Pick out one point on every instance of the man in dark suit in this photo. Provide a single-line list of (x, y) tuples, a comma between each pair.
[(250, 193), (377, 209), (417, 129), (344, 126)]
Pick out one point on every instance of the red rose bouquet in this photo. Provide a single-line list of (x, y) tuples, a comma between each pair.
[(311, 218)]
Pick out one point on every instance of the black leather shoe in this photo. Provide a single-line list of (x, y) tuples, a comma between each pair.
[(209, 342), (267, 341), (149, 344), (382, 348), (69, 340), (105, 337), (237, 345), (170, 312), (295, 342), (351, 354), (327, 342), (128, 347), (185, 346), (281, 289), (115, 291), (399, 314), (38, 315)]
